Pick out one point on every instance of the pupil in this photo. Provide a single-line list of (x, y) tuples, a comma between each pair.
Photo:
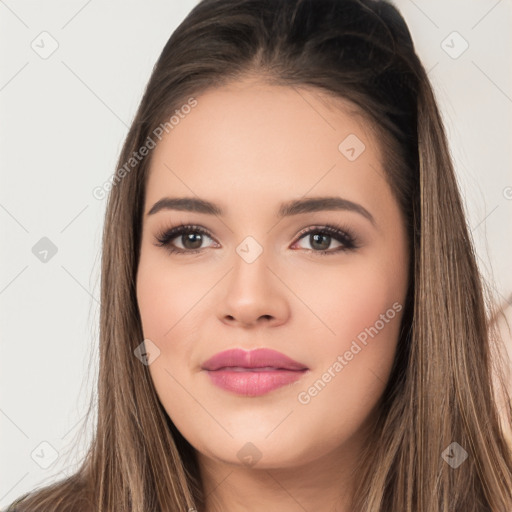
[(194, 238), (315, 240)]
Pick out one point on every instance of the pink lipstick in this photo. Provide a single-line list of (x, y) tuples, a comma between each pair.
[(252, 373)]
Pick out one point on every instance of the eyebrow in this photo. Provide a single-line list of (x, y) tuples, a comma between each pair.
[(289, 208)]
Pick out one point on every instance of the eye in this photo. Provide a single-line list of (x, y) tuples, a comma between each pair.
[(320, 237), (191, 238)]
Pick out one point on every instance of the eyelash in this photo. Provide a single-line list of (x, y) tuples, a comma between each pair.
[(340, 233)]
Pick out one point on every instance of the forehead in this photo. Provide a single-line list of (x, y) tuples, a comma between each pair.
[(249, 139)]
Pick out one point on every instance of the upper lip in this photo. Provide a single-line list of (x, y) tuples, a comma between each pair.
[(257, 358)]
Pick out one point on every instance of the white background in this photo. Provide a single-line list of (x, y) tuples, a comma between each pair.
[(63, 120)]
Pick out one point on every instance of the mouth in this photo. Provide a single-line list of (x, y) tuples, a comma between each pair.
[(256, 369), (252, 373)]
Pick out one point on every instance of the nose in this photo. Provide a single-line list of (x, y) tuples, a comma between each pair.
[(253, 295)]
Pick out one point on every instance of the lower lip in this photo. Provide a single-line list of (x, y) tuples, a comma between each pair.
[(254, 383)]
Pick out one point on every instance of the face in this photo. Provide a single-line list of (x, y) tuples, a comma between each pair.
[(323, 283)]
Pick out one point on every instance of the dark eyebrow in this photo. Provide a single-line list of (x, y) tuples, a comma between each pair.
[(294, 207), (317, 204)]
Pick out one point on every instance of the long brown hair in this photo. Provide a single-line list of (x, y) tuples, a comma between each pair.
[(447, 381)]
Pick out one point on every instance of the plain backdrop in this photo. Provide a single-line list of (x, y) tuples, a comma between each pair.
[(63, 119)]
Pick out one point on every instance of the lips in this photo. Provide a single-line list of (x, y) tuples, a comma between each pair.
[(252, 373), (258, 359)]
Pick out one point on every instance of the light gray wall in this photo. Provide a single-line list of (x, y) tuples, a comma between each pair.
[(63, 120)]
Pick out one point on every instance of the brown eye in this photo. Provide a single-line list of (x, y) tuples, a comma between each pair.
[(192, 240), (321, 239), (190, 237)]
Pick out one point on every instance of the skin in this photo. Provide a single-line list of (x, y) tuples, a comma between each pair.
[(248, 147)]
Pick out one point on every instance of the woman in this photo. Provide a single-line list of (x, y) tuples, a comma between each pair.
[(241, 369)]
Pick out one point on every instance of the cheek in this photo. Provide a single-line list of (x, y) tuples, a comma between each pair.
[(166, 297), (364, 308), (351, 298), (353, 366), (172, 303)]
